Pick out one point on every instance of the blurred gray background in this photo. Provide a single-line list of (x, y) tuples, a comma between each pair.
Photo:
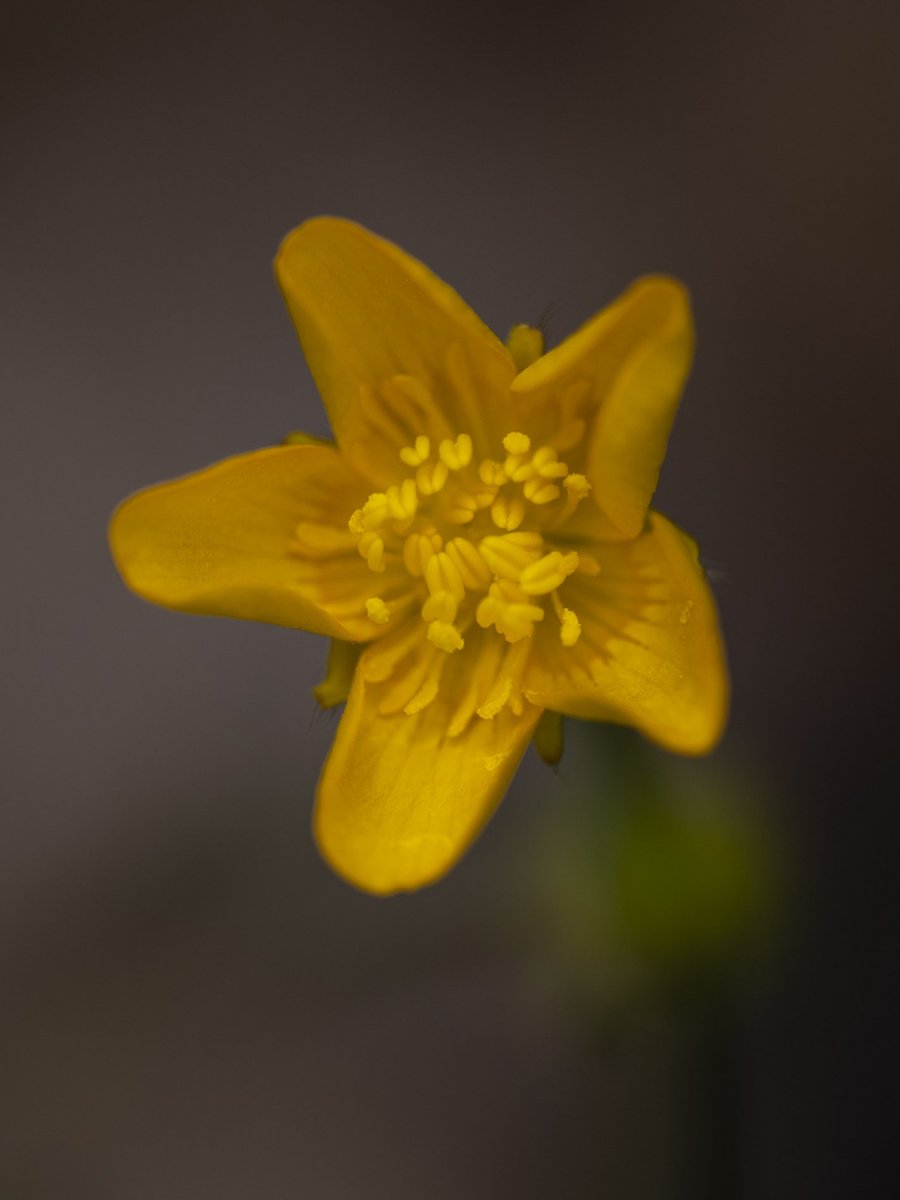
[(192, 1006)]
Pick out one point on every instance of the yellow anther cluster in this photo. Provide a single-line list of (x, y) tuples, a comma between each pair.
[(499, 573)]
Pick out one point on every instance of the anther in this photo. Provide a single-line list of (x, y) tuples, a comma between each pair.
[(402, 501), (416, 454), (441, 606), (506, 556), (538, 491), (456, 454), (418, 549), (569, 625), (587, 564), (473, 570), (371, 547), (492, 473), (546, 575), (377, 611), (517, 443), (445, 636), (518, 468), (372, 514), (506, 607), (507, 513), (570, 628), (462, 509), (546, 463), (431, 477), (442, 575), (577, 486)]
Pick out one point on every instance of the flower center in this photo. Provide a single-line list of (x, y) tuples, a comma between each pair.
[(477, 538)]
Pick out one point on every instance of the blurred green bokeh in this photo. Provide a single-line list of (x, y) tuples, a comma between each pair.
[(665, 872)]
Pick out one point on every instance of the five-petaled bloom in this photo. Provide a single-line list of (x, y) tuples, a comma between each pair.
[(477, 542)]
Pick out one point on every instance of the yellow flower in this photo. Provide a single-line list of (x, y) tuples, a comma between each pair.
[(478, 542)]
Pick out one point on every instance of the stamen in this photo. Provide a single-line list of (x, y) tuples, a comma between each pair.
[(416, 454), (492, 473), (402, 501), (371, 547), (569, 625), (518, 468), (507, 556), (445, 636), (431, 477), (441, 606), (418, 549), (577, 486), (538, 491), (517, 443), (456, 454), (546, 575), (442, 575), (372, 514), (509, 573), (570, 628), (587, 564), (463, 508), (473, 570), (546, 463), (506, 607), (508, 513)]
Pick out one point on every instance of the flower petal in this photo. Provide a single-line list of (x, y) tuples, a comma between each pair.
[(370, 320), (650, 652), (625, 368), (262, 536), (399, 801)]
